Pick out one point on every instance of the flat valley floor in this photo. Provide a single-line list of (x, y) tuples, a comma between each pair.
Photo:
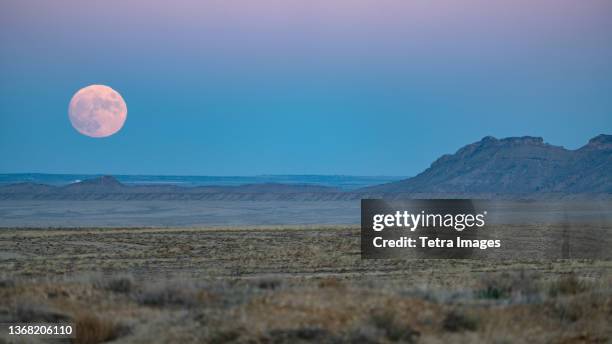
[(293, 284)]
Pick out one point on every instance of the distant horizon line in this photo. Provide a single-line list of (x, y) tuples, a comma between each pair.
[(205, 175)]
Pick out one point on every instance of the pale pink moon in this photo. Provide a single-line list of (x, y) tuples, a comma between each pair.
[(97, 111)]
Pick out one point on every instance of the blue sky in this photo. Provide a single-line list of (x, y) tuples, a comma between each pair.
[(298, 87)]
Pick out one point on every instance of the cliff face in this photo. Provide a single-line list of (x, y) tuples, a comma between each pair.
[(516, 165)]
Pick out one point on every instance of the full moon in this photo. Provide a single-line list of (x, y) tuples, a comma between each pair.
[(97, 111)]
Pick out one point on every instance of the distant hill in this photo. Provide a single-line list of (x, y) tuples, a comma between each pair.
[(109, 188), (514, 166)]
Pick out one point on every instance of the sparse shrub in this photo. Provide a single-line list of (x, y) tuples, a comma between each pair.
[(567, 285), (120, 284), (91, 329), (568, 310), (507, 285), (269, 283), (456, 322), (225, 336), (308, 334), (57, 293), (168, 294), (7, 283), (393, 329), (492, 292), (30, 312), (366, 334), (331, 282)]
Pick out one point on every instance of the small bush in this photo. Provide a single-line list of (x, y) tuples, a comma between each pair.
[(507, 285), (456, 322), (492, 292), (567, 285), (168, 294), (393, 329), (269, 283), (568, 310), (120, 284), (366, 334), (90, 329), (57, 293), (331, 282), (7, 283), (313, 334), (225, 336)]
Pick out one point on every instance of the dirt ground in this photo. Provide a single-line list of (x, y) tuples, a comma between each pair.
[(288, 285)]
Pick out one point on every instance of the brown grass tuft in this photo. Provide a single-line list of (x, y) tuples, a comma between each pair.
[(91, 329), (567, 285), (122, 284), (332, 282), (508, 285), (457, 321), (393, 327), (170, 293)]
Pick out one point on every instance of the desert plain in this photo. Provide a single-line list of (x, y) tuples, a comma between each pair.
[(288, 284)]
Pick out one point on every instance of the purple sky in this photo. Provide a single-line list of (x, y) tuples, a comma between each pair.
[(290, 87)]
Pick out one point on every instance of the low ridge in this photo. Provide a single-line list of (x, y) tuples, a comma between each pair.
[(522, 167)]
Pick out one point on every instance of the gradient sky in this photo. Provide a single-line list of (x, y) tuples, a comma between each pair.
[(248, 87)]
